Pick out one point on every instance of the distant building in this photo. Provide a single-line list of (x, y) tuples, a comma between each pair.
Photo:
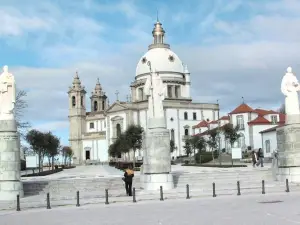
[(257, 128), (91, 133)]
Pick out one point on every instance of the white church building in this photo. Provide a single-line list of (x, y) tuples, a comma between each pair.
[(92, 132)]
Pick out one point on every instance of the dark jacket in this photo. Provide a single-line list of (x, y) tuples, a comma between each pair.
[(260, 154), (128, 175)]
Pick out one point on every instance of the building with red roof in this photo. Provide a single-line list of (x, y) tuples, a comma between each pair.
[(251, 124)]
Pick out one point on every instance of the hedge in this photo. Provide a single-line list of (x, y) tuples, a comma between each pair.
[(205, 157), (43, 173), (215, 166)]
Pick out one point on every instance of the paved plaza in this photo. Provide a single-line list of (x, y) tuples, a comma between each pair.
[(262, 209)]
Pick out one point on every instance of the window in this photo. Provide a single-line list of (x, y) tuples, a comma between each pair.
[(268, 146), (170, 91), (172, 135), (92, 125), (177, 89), (118, 128), (240, 122), (95, 105), (186, 131), (241, 141), (81, 101), (274, 119), (194, 116), (103, 105), (202, 115), (73, 101), (185, 115), (141, 94)]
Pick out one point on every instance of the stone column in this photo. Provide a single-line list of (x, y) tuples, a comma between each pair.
[(10, 163)]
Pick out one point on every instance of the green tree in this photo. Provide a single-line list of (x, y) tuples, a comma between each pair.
[(201, 145), (52, 144), (65, 153), (194, 141), (70, 154), (231, 133), (36, 140), (212, 142), (172, 146), (187, 147), (282, 108), (134, 137)]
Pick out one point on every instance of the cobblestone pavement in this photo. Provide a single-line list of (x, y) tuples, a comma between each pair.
[(264, 209)]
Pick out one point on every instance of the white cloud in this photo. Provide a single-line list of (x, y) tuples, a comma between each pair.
[(248, 59)]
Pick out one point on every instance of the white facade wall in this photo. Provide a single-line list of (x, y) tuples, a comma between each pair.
[(99, 125), (120, 114), (272, 139), (246, 131), (257, 141), (98, 150)]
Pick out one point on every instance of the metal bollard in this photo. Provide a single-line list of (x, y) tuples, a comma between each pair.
[(48, 201), (238, 188), (187, 191), (214, 190), (77, 197), (133, 195), (263, 191), (18, 203), (287, 185), (161, 194), (106, 197)]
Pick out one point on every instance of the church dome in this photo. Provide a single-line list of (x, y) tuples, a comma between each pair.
[(162, 58)]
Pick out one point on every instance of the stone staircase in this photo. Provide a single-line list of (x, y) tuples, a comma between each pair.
[(199, 184)]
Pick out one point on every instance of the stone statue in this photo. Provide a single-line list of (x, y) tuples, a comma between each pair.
[(290, 87), (155, 90), (7, 94)]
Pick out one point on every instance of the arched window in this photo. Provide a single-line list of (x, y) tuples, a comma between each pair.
[(103, 105), (141, 94), (73, 101), (185, 115), (241, 141), (118, 128), (172, 135), (81, 101), (95, 105), (186, 132)]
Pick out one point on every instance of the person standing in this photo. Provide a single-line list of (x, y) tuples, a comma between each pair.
[(254, 158), (260, 155), (128, 177)]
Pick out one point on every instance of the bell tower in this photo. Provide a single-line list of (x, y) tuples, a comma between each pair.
[(98, 99), (77, 114)]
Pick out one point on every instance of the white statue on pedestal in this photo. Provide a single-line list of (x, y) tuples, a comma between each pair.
[(7, 95), (155, 90), (290, 87)]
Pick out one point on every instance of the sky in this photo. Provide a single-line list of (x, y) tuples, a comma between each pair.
[(233, 49)]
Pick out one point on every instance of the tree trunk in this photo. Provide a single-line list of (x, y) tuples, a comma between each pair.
[(133, 160), (39, 158), (52, 162), (49, 161)]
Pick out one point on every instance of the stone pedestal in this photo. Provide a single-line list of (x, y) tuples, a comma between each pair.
[(288, 143), (157, 158), (10, 163)]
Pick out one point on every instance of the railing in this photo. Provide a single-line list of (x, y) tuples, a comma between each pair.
[(108, 198)]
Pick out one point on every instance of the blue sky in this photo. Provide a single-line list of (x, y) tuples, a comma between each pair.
[(233, 48)]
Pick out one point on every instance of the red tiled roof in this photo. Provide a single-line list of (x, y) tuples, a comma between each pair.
[(263, 112), (208, 131), (259, 121), (213, 122), (243, 108), (203, 123), (271, 129), (225, 118)]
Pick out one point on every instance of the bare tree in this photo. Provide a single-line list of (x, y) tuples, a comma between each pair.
[(282, 109), (20, 106)]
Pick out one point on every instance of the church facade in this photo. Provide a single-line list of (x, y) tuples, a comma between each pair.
[(91, 133)]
